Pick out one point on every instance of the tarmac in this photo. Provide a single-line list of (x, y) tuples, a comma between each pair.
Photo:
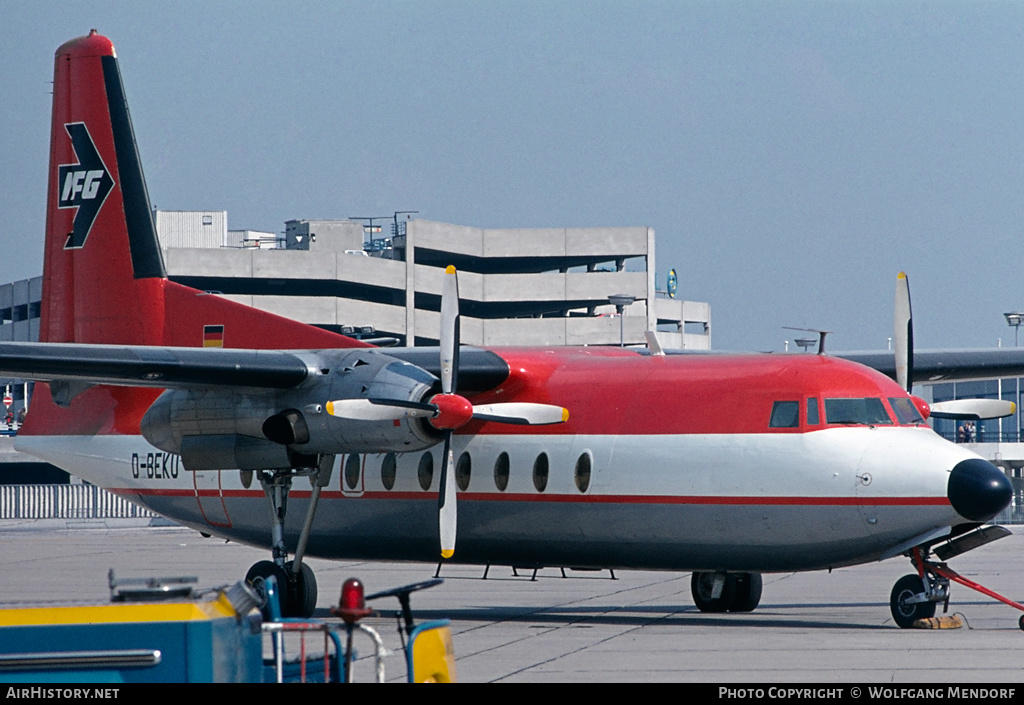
[(828, 628)]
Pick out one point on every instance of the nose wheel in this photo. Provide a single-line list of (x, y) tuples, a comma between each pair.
[(909, 601)]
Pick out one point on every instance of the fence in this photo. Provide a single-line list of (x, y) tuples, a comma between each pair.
[(65, 502)]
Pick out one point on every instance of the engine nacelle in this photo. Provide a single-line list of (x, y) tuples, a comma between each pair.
[(266, 429)]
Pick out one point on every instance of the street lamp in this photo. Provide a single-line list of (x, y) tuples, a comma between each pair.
[(1014, 318), (620, 302)]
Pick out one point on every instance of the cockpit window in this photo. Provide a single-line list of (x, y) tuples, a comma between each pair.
[(812, 411), (906, 412), (868, 411), (785, 414)]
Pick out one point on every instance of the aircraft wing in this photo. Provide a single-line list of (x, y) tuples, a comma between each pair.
[(179, 367), (149, 366), (937, 366)]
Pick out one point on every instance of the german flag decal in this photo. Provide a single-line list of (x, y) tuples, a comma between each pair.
[(213, 336)]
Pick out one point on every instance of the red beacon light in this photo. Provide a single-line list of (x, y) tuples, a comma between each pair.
[(352, 603)]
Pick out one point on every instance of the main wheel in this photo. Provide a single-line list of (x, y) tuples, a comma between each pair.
[(748, 592), (302, 591), (702, 586), (257, 579), (905, 614)]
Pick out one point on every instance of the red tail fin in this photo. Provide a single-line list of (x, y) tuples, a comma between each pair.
[(103, 277)]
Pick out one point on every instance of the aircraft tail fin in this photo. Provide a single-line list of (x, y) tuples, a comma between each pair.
[(102, 261), (104, 279)]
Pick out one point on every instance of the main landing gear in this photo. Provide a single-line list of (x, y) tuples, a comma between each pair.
[(299, 597), (917, 595), (726, 592)]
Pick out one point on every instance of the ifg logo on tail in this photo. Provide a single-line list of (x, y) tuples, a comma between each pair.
[(84, 185)]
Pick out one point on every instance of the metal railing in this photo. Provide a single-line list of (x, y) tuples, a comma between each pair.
[(65, 502)]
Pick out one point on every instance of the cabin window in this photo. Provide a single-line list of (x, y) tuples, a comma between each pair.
[(785, 414), (582, 474), (540, 472), (425, 473), (501, 472), (868, 411), (812, 412), (906, 412), (388, 471), (352, 471), (463, 469)]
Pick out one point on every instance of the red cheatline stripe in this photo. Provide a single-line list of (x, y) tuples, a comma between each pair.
[(580, 499)]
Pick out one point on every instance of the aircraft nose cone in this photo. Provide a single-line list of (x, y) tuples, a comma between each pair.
[(978, 490)]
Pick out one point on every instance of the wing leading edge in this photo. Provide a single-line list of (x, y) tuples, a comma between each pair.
[(152, 366)]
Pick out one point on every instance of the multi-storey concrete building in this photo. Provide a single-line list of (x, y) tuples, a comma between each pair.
[(517, 287)]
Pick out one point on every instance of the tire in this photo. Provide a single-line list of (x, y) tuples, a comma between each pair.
[(302, 591), (701, 585), (905, 615), (748, 592), (257, 579)]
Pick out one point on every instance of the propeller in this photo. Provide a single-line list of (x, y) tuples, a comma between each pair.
[(903, 346), (448, 410)]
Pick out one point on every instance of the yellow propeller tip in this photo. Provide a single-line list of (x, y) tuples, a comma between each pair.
[(565, 414), (448, 553), (330, 407), (450, 269), (901, 275)]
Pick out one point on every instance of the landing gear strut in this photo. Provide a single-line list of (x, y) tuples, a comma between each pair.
[(296, 579), (726, 592)]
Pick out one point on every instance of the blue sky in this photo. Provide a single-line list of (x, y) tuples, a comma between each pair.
[(792, 156)]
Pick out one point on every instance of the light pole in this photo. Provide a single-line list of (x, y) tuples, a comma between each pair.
[(1014, 319), (620, 302)]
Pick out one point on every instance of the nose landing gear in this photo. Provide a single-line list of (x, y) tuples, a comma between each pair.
[(916, 596)]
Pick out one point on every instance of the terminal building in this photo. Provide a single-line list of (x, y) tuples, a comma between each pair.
[(542, 287)]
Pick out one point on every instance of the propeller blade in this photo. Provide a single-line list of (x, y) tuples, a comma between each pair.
[(449, 331), (446, 509), (521, 413), (379, 409), (903, 334), (972, 409)]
